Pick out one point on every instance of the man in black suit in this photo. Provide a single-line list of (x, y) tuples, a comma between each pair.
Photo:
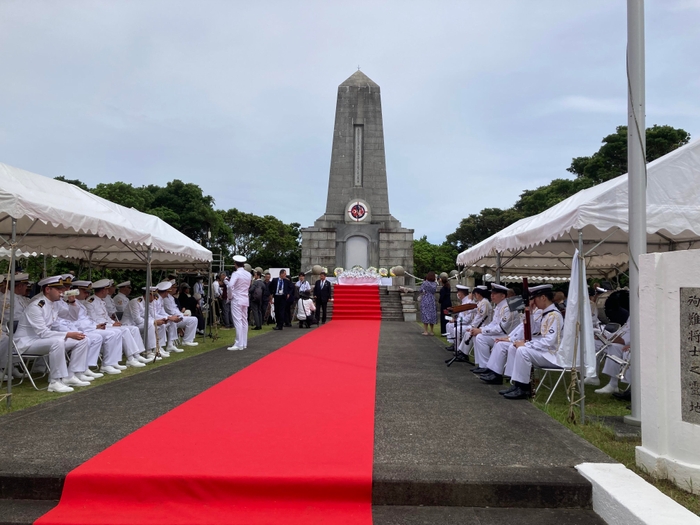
[(322, 293), (281, 290)]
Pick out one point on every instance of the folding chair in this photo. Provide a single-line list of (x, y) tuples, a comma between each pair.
[(607, 341), (23, 359), (548, 373)]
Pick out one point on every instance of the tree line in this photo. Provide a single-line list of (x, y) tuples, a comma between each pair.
[(608, 162)]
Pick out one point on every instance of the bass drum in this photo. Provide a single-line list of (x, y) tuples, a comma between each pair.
[(613, 307)]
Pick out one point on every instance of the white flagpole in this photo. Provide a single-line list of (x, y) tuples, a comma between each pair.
[(637, 184)]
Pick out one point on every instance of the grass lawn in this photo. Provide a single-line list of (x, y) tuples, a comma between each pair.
[(24, 395), (603, 436)]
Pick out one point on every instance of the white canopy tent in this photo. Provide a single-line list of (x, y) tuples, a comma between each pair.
[(595, 221), (600, 214), (42, 215)]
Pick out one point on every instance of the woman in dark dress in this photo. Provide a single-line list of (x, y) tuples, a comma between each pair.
[(445, 302), (428, 312)]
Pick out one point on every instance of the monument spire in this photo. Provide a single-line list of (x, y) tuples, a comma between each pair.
[(357, 227)]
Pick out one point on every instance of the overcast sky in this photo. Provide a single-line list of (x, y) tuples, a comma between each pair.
[(481, 100)]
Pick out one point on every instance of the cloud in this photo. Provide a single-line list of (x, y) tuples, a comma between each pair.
[(582, 104)]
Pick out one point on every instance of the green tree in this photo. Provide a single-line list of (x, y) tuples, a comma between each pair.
[(74, 182), (432, 257), (479, 226), (125, 195), (266, 241)]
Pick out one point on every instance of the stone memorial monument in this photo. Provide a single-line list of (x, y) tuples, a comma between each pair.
[(357, 228)]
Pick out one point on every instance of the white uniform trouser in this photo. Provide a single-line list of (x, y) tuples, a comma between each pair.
[(525, 358), (482, 348), (499, 356), (111, 347), (466, 336), (94, 348), (240, 323), (56, 348), (189, 325), (131, 340), (171, 332), (610, 367), (453, 330)]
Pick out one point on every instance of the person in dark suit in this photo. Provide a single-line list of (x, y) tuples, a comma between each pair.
[(322, 293), (445, 302), (281, 289)]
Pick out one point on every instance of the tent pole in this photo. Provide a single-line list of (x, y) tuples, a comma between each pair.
[(10, 292), (498, 267), (90, 266), (210, 301), (148, 299), (637, 183), (582, 296), (44, 274)]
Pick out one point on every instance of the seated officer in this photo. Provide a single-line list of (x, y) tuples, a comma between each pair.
[(457, 326), (541, 350), (503, 322), (35, 336)]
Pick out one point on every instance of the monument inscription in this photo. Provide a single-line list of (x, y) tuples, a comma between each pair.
[(690, 354)]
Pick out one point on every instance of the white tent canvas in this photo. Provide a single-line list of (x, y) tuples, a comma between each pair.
[(57, 218), (601, 214)]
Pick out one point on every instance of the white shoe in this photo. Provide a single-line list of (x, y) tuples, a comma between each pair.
[(134, 363), (74, 381), (59, 387), (164, 353), (173, 349), (234, 347), (85, 377), (607, 389), (107, 369), (591, 381), (91, 373), (190, 343), (144, 360), (119, 367)]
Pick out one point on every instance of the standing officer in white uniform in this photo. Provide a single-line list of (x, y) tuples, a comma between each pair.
[(34, 336), (121, 300), (502, 323), (540, 351), (238, 287)]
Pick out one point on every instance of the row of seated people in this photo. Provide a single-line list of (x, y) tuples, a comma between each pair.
[(74, 329), (500, 349)]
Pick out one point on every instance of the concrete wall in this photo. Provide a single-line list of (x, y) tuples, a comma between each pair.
[(670, 446)]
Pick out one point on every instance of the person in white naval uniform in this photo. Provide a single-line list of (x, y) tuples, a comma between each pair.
[(480, 316), (619, 347), (187, 323), (540, 351), (170, 321), (63, 324), (502, 323), (457, 326), (111, 346), (121, 300), (19, 297), (134, 315), (109, 302), (503, 353), (132, 345), (238, 287), (34, 336)]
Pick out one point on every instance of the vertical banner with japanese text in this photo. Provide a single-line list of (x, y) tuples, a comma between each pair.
[(690, 354)]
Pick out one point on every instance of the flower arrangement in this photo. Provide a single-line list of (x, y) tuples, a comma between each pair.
[(391, 273), (357, 267), (383, 272), (338, 271), (372, 269)]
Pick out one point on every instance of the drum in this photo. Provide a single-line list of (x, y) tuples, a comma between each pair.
[(613, 307)]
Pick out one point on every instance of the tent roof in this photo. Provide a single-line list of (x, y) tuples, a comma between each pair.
[(601, 213), (57, 218)]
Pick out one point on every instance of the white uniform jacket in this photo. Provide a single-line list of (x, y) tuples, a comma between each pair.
[(120, 302), (551, 328), (238, 287), (503, 321), (39, 315)]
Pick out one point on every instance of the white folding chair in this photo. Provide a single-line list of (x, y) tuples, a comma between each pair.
[(24, 359), (549, 374)]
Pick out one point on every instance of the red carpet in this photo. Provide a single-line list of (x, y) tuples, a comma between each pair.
[(288, 440), (356, 302)]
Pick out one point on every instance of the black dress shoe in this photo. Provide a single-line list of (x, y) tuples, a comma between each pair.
[(288, 325), (492, 379), (277, 328), (623, 396), (507, 390), (450, 348), (479, 370), (518, 393)]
